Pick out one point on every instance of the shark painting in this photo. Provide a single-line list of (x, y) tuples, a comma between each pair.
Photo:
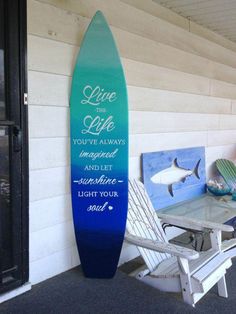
[(174, 174)]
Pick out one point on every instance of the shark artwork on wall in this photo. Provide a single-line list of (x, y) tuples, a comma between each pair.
[(174, 176)]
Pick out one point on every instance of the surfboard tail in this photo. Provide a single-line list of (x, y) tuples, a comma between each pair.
[(196, 169)]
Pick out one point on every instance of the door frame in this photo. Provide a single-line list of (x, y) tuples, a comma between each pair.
[(15, 26), (25, 139)]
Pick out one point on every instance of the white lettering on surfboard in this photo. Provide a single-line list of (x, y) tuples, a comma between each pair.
[(99, 208), (92, 141), (98, 167), (90, 194), (102, 180), (96, 96), (81, 141), (96, 155), (95, 125)]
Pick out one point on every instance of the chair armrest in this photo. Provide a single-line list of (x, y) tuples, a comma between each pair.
[(189, 223), (162, 247), (228, 244)]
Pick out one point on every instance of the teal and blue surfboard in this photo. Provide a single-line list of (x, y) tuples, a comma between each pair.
[(99, 151)]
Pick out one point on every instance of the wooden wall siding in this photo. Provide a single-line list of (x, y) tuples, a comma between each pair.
[(181, 86), (138, 48), (131, 46), (125, 17)]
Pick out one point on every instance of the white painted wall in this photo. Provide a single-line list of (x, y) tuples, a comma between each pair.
[(181, 85)]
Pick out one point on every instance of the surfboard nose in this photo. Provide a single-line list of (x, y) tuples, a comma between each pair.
[(99, 18)]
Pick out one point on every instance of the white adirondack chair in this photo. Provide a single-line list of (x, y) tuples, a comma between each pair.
[(170, 267)]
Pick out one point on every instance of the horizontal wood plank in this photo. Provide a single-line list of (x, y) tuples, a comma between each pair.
[(222, 89), (50, 240), (48, 121), (140, 143), (51, 211), (48, 89), (142, 122), (51, 265), (46, 183), (54, 57), (224, 137), (227, 122), (48, 152), (148, 99), (234, 106)]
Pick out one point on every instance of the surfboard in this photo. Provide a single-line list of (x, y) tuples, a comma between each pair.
[(99, 151), (228, 171)]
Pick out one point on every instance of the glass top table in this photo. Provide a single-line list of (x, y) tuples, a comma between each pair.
[(206, 207)]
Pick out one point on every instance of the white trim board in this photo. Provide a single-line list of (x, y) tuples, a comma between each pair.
[(14, 293)]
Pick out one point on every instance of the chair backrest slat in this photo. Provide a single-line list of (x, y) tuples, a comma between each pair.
[(142, 221)]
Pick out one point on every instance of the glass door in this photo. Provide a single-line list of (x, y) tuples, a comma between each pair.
[(13, 148), (4, 159)]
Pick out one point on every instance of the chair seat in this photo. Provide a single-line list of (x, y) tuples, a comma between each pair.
[(170, 268)]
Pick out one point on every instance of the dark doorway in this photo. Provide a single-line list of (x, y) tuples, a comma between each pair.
[(13, 146)]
